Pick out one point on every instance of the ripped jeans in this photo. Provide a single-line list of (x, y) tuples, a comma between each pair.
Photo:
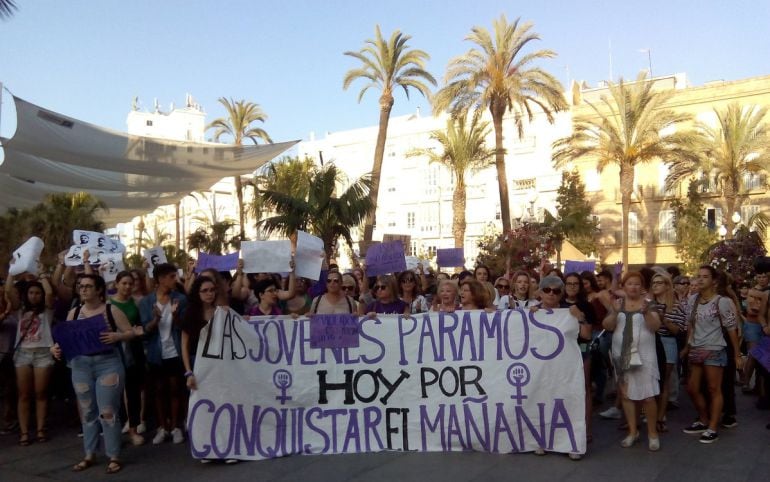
[(98, 382)]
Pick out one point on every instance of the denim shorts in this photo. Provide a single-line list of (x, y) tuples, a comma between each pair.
[(34, 357), (713, 358), (671, 349), (752, 332)]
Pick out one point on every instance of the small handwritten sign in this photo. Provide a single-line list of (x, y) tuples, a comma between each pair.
[(334, 331), (385, 258), (219, 263), (81, 337)]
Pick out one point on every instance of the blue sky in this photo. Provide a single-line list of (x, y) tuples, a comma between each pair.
[(88, 59)]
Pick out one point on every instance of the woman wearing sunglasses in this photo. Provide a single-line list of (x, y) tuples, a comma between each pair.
[(633, 323), (503, 288), (335, 300), (409, 292), (386, 300), (552, 290)]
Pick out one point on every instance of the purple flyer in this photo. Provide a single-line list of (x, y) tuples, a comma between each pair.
[(334, 331)]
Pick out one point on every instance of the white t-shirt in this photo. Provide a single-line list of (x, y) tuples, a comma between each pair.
[(168, 350), (35, 329)]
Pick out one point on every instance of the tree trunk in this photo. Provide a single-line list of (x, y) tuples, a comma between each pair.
[(239, 196), (386, 105), (502, 177), (731, 201), (458, 213), (176, 222), (626, 188)]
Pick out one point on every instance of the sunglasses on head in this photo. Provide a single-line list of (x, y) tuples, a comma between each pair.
[(548, 291)]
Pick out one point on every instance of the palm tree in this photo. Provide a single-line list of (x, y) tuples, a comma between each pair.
[(628, 128), (7, 7), (498, 76), (213, 239), (463, 149), (738, 145), (238, 125), (322, 211), (387, 65)]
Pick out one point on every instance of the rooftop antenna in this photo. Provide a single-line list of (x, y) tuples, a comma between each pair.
[(648, 51)]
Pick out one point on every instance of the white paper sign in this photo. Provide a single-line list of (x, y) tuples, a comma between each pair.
[(74, 256), (113, 264), (26, 257), (309, 256), (412, 262), (97, 240), (504, 382), (266, 256), (154, 256)]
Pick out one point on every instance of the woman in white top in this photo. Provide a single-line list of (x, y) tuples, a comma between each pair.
[(32, 357), (334, 301), (521, 287)]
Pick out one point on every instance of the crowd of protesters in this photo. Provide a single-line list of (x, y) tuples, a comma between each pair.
[(647, 330)]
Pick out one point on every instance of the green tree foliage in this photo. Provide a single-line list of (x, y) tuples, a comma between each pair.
[(693, 238), (53, 221), (213, 239), (238, 126), (387, 65), (497, 75), (631, 126), (523, 247), (463, 150), (573, 213), (322, 211)]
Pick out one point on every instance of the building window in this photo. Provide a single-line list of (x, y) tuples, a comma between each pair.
[(633, 228), (748, 212), (666, 229), (410, 219), (148, 123), (413, 248), (713, 218), (752, 181)]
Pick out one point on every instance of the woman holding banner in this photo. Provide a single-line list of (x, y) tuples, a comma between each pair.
[(446, 298), (634, 323), (98, 377), (335, 300), (473, 295), (386, 300), (409, 292), (32, 357)]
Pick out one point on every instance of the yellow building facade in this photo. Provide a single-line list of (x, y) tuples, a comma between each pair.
[(652, 237)]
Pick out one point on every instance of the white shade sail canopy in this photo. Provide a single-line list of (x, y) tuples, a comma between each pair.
[(53, 153)]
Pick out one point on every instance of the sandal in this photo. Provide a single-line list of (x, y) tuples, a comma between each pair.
[(661, 426), (83, 465), (24, 439), (114, 466), (42, 437)]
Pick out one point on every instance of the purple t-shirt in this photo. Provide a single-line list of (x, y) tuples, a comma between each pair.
[(255, 311), (396, 307)]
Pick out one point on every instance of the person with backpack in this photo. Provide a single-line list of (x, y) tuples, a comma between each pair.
[(335, 300)]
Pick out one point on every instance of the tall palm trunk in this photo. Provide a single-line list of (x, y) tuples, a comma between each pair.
[(731, 201), (502, 178), (626, 189), (241, 212), (386, 105), (176, 225), (458, 215)]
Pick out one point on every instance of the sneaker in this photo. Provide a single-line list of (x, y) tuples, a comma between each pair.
[(629, 441), (539, 451), (160, 436), (709, 436), (136, 439), (125, 429), (574, 456), (205, 461), (653, 444), (177, 436), (141, 428), (612, 413), (231, 461), (728, 421), (695, 428)]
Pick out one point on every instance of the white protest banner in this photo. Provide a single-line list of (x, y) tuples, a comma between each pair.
[(266, 256), (26, 257), (154, 257), (309, 256), (91, 238), (503, 382), (112, 265), (412, 262)]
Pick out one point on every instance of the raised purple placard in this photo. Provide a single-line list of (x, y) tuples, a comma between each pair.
[(450, 257), (81, 337), (220, 263), (579, 266), (761, 352), (385, 258), (334, 331)]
